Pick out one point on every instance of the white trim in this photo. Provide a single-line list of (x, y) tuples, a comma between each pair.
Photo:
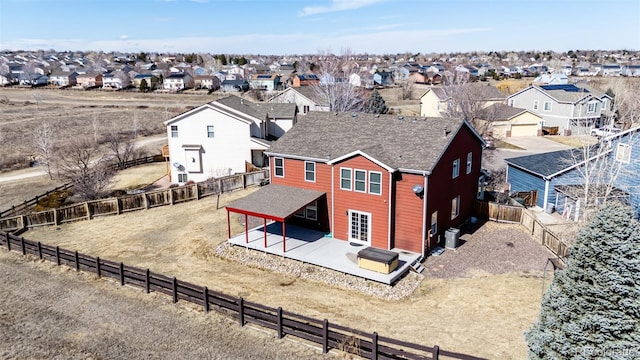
[(276, 166), (424, 213), (369, 182), (350, 179), (295, 157), (469, 162), (544, 106), (355, 180), (455, 169), (457, 213), (359, 152), (369, 221), (305, 171), (333, 196), (546, 193)]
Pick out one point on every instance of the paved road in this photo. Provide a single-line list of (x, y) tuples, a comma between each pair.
[(158, 140)]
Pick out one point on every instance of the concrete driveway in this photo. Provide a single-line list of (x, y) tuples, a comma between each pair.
[(536, 144)]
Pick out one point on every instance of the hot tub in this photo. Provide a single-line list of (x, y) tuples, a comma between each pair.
[(382, 261)]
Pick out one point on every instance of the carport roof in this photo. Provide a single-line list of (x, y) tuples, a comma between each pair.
[(275, 202)]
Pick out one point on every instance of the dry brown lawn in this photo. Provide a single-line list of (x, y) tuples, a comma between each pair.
[(574, 141), (139, 176), (18, 191), (484, 315)]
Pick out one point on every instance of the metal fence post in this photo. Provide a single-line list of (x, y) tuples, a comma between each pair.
[(280, 332), (374, 346), (121, 268), (147, 281), (175, 290), (325, 336), (205, 293), (241, 311)]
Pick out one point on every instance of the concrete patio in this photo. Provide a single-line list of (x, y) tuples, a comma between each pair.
[(313, 247)]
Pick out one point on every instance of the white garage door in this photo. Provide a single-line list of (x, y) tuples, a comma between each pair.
[(524, 130)]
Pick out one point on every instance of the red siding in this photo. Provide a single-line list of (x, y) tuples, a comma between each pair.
[(442, 188), (376, 205), (408, 213)]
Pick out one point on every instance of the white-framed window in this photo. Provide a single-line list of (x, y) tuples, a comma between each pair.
[(305, 109), (309, 171), (174, 131), (592, 107), (375, 182), (359, 226), (210, 132), (345, 179), (469, 162), (455, 207), (623, 153), (182, 178), (309, 212), (360, 180), (434, 223), (536, 104), (511, 102), (604, 105), (547, 106), (278, 165), (456, 169)]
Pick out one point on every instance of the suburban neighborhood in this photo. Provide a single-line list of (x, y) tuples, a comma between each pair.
[(330, 179)]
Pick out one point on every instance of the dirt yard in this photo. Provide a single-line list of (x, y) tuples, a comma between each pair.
[(452, 311), (51, 312)]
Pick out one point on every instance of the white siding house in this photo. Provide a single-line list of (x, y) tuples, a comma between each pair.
[(223, 137)]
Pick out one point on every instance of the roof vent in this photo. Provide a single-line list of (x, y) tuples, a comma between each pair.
[(377, 115), (354, 115), (447, 131), (400, 117)]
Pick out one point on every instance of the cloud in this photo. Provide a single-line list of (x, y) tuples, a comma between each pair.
[(124, 37), (337, 5)]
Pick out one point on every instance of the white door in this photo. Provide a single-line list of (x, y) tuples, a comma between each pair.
[(359, 227)]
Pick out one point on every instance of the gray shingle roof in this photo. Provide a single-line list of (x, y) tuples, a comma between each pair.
[(547, 164), (276, 201), (500, 112), (411, 143), (259, 110)]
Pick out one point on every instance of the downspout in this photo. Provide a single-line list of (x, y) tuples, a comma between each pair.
[(424, 211), (333, 213), (546, 192), (389, 211)]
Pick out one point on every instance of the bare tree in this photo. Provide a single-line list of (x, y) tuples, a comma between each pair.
[(44, 142), (469, 100), (406, 89), (121, 145), (95, 124), (81, 163), (334, 84)]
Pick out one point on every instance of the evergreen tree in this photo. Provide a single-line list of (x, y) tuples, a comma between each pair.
[(376, 104), (592, 307), (144, 87)]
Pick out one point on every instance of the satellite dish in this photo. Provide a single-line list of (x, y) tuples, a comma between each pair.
[(417, 189), (176, 165)]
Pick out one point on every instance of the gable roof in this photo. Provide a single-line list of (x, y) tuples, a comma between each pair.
[(411, 144), (309, 92), (550, 164), (501, 111), (562, 93), (259, 110)]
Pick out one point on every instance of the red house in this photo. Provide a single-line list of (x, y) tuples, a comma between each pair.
[(390, 182)]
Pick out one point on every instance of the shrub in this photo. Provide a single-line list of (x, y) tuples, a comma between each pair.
[(52, 201)]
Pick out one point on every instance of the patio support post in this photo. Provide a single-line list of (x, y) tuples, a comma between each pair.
[(228, 225), (284, 237), (246, 228), (265, 232)]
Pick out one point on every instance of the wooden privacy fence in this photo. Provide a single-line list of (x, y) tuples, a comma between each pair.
[(24, 207), (122, 204), (497, 212), (546, 237), (328, 335)]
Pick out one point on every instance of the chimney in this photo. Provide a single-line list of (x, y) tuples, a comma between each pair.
[(446, 131)]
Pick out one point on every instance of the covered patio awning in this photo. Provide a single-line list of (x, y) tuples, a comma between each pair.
[(272, 202)]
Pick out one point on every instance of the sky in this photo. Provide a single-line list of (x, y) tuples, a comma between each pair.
[(287, 27)]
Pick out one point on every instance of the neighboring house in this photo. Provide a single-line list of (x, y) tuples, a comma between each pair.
[(234, 86), (630, 70), (210, 82), (374, 181), (35, 79), (306, 98), (224, 137), (116, 80), (151, 80), (89, 80), (434, 102), (4, 80), (305, 80), (572, 109), (383, 78), (559, 176), (551, 79), (267, 82), (437, 102), (63, 78), (177, 81), (610, 70), (507, 121)]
